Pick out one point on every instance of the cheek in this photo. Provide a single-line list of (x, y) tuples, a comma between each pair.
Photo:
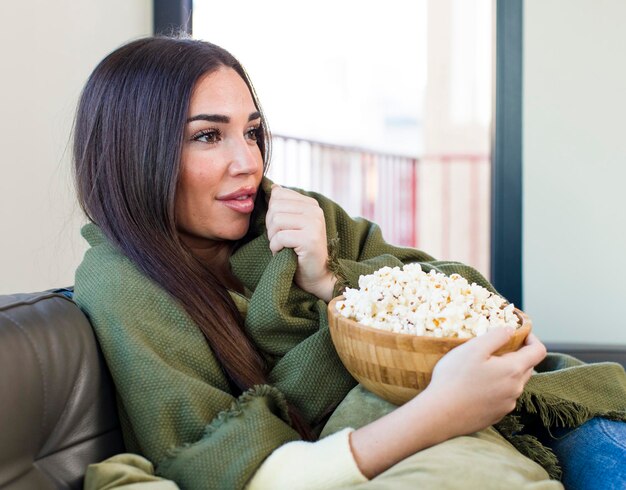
[(194, 198)]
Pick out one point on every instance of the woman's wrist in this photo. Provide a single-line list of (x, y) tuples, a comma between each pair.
[(416, 425), (324, 288), (327, 288)]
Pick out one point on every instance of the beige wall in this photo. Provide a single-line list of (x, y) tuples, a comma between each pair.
[(575, 169), (47, 50)]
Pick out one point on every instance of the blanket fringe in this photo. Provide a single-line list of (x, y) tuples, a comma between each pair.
[(553, 412), (236, 409), (238, 405), (529, 445), (335, 267), (557, 412)]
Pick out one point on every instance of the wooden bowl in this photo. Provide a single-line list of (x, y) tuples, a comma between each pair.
[(397, 366)]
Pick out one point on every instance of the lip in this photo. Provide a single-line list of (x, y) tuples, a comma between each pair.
[(241, 201), (244, 191)]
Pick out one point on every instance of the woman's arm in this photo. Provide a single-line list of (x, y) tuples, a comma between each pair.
[(471, 389), (304, 221)]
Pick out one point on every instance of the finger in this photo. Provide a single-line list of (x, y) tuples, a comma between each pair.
[(491, 341), (275, 247), (285, 221), (277, 243), (281, 239), (531, 338), (296, 206), (313, 221), (531, 353), (534, 347), (287, 239), (288, 220), (283, 194), (279, 192)]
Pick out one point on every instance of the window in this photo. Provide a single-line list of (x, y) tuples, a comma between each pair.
[(387, 111)]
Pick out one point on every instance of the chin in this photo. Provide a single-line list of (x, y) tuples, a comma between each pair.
[(236, 232), (233, 237)]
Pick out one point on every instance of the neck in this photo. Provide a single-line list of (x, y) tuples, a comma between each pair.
[(215, 256)]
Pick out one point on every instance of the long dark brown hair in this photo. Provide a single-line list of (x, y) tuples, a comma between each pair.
[(128, 139)]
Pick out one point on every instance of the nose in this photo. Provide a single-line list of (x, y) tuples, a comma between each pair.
[(245, 158)]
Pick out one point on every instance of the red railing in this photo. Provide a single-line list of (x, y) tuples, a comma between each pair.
[(439, 203)]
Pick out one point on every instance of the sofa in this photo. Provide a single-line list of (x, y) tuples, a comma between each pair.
[(57, 401)]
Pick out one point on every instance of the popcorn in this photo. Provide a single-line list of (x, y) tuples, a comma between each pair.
[(409, 300)]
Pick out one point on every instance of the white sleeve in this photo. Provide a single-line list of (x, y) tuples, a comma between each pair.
[(327, 463)]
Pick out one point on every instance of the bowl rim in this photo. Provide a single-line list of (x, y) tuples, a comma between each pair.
[(523, 329)]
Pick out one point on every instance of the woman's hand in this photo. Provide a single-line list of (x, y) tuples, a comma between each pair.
[(296, 221), (471, 389), (476, 388)]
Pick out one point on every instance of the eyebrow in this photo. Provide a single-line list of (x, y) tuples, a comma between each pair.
[(219, 118)]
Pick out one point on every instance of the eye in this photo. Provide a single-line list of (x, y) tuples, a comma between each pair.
[(253, 134), (207, 136)]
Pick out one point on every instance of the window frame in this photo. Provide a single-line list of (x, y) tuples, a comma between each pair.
[(506, 154), (172, 16)]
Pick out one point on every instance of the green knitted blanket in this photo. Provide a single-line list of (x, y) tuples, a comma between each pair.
[(174, 400)]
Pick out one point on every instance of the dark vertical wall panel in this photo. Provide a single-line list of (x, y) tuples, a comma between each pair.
[(172, 16), (506, 201)]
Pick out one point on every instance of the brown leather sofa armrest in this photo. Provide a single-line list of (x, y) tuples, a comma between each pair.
[(57, 405)]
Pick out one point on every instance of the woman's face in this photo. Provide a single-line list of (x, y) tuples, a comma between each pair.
[(222, 165)]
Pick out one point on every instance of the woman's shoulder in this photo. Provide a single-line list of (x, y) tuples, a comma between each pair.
[(137, 322), (104, 268), (108, 284)]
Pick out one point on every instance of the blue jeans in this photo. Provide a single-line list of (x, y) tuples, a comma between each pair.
[(592, 456)]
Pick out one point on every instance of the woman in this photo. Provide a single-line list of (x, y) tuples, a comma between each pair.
[(207, 288)]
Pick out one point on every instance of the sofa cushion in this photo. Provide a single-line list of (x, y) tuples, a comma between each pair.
[(57, 403), (591, 352)]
